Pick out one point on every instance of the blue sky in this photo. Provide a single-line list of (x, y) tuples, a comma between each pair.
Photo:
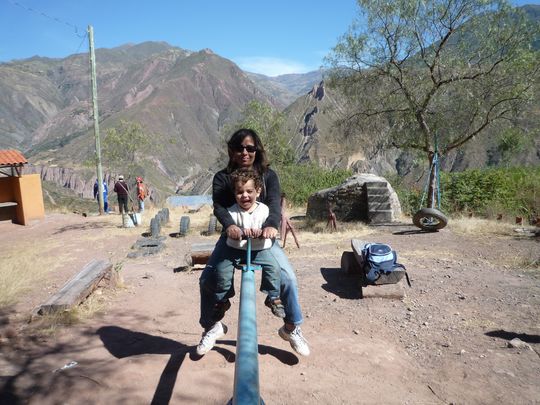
[(269, 37)]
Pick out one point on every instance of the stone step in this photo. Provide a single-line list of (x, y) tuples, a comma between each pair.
[(377, 191), (372, 184), (379, 206), (378, 198), (377, 217)]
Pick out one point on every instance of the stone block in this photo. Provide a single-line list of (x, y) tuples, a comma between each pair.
[(379, 206), (377, 217)]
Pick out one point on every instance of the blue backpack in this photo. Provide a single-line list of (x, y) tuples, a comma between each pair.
[(379, 260)]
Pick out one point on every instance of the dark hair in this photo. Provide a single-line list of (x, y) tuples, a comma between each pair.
[(243, 175), (261, 161)]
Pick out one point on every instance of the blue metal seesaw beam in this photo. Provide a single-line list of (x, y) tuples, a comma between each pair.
[(246, 372)]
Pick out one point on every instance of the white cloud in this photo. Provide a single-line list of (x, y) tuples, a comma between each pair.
[(271, 66)]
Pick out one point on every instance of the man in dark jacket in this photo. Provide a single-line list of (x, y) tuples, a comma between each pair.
[(121, 190)]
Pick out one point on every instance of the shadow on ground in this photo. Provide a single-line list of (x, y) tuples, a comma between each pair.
[(412, 232), (502, 334), (122, 343), (85, 226), (341, 284), (284, 356)]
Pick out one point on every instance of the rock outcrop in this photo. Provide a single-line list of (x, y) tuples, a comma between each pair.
[(362, 197)]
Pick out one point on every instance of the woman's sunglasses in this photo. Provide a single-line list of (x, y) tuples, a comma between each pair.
[(249, 148)]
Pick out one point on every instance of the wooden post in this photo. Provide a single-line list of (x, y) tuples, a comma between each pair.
[(96, 117), (286, 224), (332, 224)]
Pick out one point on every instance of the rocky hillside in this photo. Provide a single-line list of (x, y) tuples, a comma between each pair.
[(285, 89), (312, 123), (183, 100)]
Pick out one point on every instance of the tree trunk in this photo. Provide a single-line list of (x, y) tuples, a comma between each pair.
[(431, 198)]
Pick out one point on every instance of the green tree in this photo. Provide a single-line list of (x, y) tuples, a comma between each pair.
[(125, 148), (513, 141), (432, 75)]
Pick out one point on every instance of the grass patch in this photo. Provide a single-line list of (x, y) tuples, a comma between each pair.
[(198, 221), (528, 260), (21, 268), (317, 231), (480, 227)]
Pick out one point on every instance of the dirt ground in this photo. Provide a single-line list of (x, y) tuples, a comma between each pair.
[(445, 340)]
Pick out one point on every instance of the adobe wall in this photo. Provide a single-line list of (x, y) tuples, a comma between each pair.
[(26, 192), (30, 199)]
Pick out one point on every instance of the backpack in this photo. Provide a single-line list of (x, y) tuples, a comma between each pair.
[(379, 259)]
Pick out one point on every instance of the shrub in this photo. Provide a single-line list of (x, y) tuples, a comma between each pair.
[(483, 192), (298, 182)]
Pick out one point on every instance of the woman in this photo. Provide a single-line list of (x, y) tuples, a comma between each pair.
[(247, 151)]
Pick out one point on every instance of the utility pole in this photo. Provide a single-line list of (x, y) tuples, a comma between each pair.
[(96, 117)]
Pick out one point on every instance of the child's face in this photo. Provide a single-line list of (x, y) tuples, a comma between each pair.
[(246, 194)]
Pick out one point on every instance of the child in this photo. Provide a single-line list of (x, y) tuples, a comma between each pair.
[(250, 215)]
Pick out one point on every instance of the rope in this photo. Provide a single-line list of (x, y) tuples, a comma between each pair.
[(438, 180), (434, 167)]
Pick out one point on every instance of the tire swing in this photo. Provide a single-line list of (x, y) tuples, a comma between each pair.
[(431, 219)]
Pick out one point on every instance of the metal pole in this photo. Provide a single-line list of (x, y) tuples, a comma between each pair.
[(246, 372), (96, 117)]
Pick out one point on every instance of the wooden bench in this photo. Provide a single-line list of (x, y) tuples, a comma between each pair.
[(79, 287), (8, 213), (200, 253), (8, 204), (352, 264)]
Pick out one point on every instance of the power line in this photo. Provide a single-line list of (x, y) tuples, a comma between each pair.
[(60, 21), (56, 19)]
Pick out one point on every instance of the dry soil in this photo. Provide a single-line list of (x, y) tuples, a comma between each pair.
[(445, 340)]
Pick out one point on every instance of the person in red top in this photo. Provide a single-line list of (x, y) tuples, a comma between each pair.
[(141, 193)]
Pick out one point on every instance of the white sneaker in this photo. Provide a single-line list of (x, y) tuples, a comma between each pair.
[(296, 339), (209, 338)]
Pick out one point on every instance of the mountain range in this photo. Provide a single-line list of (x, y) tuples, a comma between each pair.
[(184, 101)]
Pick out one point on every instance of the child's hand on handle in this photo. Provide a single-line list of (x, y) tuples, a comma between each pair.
[(234, 232), (253, 233)]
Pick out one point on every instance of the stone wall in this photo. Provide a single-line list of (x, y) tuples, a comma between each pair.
[(349, 201)]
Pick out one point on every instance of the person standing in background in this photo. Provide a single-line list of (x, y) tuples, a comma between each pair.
[(105, 195), (121, 190), (141, 193)]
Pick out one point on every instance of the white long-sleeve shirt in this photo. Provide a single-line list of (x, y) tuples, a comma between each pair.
[(250, 220)]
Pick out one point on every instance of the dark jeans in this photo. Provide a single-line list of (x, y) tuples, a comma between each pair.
[(122, 203)]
